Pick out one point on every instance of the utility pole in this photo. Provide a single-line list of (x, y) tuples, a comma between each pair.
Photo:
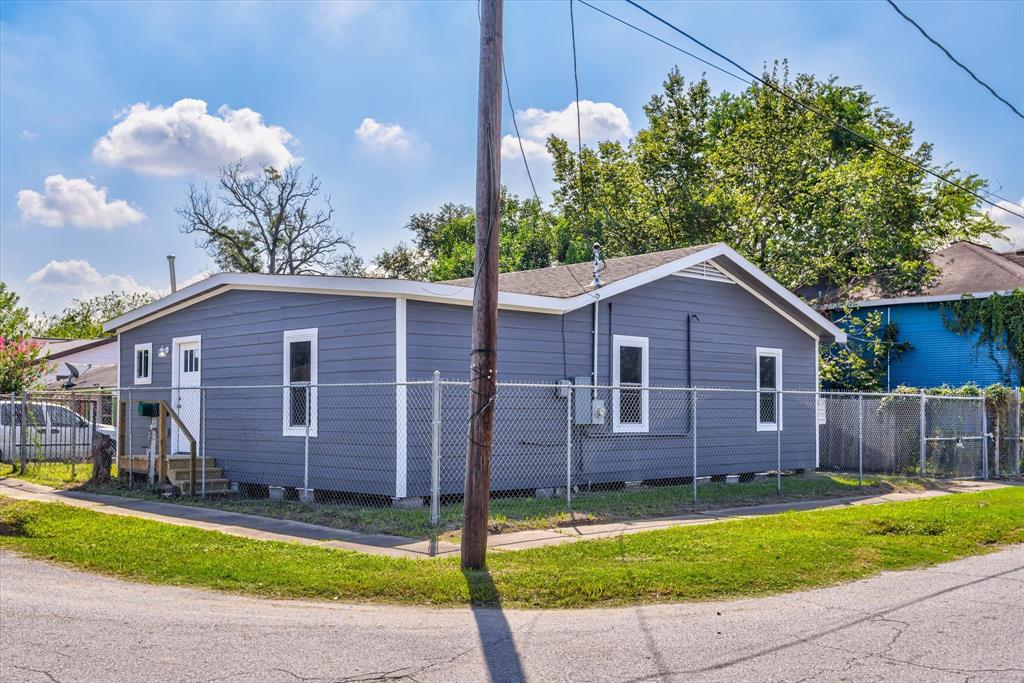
[(483, 354)]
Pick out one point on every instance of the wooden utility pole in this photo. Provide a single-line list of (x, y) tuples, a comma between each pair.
[(483, 354)]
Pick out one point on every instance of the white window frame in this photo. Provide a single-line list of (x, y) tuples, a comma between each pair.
[(763, 352), (310, 335), (148, 348), (618, 341)]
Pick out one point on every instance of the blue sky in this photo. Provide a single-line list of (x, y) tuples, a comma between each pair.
[(378, 100)]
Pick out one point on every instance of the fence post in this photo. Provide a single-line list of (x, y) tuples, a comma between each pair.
[(778, 442), (860, 439), (24, 432), (1017, 436), (435, 451), (923, 446), (14, 423), (202, 441), (305, 448), (984, 435), (693, 432), (996, 438), (568, 448)]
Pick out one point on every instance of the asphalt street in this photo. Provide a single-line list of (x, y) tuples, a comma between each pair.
[(962, 621)]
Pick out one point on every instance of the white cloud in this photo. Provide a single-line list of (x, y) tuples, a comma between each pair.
[(1013, 235), (29, 135), (54, 285), (598, 121), (198, 277), (384, 136), (184, 138), (75, 202), (535, 151)]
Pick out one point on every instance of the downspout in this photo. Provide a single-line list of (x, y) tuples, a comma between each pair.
[(597, 318), (690, 317)]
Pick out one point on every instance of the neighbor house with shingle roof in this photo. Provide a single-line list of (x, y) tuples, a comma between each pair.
[(940, 356), (700, 316)]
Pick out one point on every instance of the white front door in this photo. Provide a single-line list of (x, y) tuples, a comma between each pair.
[(185, 398)]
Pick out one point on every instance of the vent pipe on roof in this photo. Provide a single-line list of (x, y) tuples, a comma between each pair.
[(598, 265), (170, 267)]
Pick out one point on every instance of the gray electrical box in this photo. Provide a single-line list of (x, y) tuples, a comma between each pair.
[(587, 410)]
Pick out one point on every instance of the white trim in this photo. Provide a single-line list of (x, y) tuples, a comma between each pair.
[(451, 294), (817, 397), (310, 334), (618, 341), (401, 403), (176, 342), (148, 348), (927, 299), (764, 351)]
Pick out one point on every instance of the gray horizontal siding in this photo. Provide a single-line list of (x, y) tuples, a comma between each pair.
[(242, 344), (530, 446)]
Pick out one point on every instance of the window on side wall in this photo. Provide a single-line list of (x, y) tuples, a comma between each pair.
[(769, 381), (143, 363), (630, 402), (300, 378)]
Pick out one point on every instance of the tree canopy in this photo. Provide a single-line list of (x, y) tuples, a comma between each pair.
[(84, 318), (808, 202)]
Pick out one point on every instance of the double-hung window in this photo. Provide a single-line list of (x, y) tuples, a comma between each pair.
[(769, 383), (630, 401), (143, 363), (300, 378)]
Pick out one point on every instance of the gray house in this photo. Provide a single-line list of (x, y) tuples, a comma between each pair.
[(701, 316)]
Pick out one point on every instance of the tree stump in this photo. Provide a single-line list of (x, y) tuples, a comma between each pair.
[(103, 449)]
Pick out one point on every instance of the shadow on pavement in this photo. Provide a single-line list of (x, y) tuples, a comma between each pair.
[(496, 639)]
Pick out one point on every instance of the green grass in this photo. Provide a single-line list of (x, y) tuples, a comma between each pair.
[(59, 475), (732, 559), (508, 514)]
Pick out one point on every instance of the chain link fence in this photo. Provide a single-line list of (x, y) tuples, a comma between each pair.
[(391, 456)]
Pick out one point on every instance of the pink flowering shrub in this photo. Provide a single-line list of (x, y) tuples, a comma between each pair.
[(21, 364)]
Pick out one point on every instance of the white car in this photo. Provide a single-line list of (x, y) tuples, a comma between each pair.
[(51, 432)]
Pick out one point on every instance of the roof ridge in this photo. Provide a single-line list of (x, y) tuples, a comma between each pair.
[(997, 258)]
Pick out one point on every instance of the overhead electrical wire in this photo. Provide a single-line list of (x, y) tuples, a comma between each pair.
[(954, 59), (817, 112)]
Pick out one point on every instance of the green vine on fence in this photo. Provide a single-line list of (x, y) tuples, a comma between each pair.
[(998, 320)]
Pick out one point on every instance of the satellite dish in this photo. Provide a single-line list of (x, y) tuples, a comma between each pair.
[(73, 370)]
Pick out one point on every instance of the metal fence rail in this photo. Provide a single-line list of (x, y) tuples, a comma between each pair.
[(556, 446)]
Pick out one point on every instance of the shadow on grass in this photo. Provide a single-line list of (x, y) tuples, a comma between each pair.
[(496, 638)]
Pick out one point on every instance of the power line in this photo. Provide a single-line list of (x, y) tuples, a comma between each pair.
[(663, 41), (954, 59), (826, 117), (515, 124)]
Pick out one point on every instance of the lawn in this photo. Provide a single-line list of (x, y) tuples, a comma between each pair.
[(509, 514), (745, 557), (59, 475)]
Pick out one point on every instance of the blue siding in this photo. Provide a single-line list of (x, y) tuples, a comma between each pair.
[(939, 356)]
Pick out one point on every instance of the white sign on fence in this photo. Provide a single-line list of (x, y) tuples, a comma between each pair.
[(819, 410)]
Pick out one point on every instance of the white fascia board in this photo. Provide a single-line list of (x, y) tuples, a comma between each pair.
[(448, 294), (783, 293), (928, 299)]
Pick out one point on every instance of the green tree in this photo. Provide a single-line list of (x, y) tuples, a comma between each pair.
[(271, 221), (84, 318), (808, 202), (14, 318)]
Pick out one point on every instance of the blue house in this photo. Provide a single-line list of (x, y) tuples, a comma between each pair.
[(940, 356), (276, 357)]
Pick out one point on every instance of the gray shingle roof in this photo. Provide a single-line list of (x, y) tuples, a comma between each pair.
[(966, 268), (571, 280)]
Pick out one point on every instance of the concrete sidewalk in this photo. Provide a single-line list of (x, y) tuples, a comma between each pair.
[(270, 529)]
